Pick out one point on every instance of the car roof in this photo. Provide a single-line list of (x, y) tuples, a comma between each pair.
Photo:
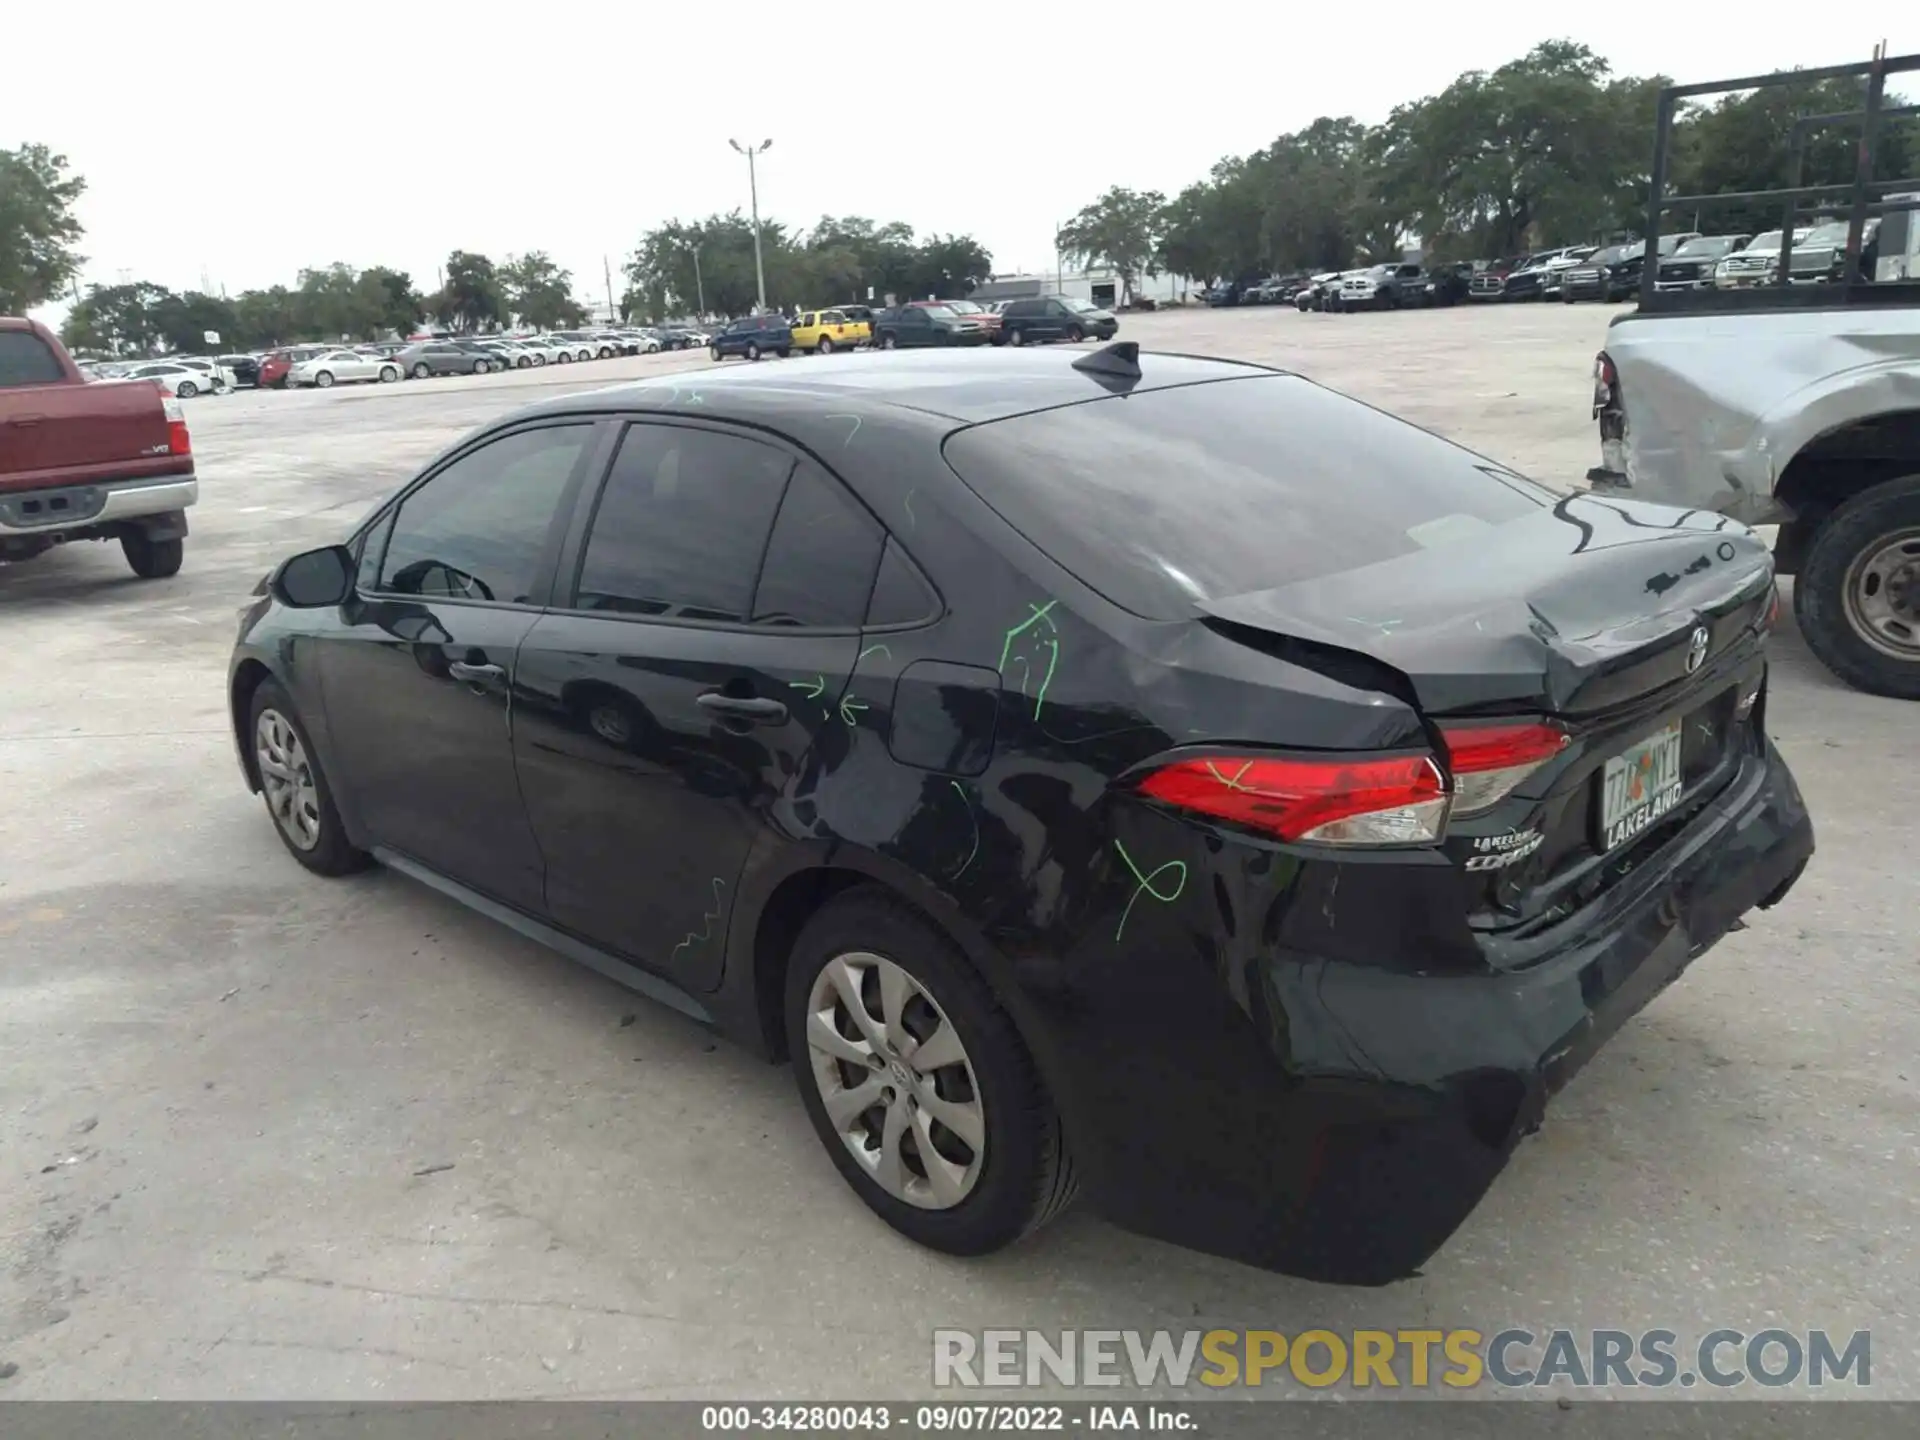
[(967, 386)]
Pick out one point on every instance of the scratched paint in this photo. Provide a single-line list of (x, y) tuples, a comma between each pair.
[(1043, 639), (707, 921), (1145, 886), (972, 819)]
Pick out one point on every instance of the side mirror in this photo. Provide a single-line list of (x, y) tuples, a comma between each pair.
[(315, 579)]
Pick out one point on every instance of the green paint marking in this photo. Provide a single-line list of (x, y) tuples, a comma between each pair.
[(819, 686), (848, 705), (1146, 886), (1039, 614), (707, 920), (851, 433), (960, 790), (873, 650)]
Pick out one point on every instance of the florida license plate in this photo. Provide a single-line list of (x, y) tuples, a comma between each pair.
[(1639, 786)]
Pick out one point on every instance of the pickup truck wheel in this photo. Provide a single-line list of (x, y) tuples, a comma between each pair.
[(1857, 596), (152, 559), (824, 345), (295, 788)]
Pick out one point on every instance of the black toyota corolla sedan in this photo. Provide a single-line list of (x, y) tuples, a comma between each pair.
[(1156, 776)]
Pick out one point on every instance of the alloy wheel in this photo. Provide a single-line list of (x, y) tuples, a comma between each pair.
[(1882, 593), (286, 776), (895, 1080)]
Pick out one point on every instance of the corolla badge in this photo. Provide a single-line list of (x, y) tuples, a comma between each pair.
[(1697, 648)]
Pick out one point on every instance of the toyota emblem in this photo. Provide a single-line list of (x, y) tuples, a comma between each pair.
[(1697, 648)]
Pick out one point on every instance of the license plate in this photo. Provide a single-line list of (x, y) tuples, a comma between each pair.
[(1640, 785)]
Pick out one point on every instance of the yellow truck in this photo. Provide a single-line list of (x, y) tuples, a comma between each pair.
[(822, 332)]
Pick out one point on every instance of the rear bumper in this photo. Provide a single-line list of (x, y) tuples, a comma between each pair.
[(65, 509), (1339, 1121)]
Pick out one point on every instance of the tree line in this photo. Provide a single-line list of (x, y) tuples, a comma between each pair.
[(707, 266), (1549, 149), (333, 303)]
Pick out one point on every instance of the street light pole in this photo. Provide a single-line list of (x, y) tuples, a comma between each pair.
[(699, 285), (753, 193)]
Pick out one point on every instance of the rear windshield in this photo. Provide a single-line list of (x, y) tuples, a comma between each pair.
[(1202, 492), (25, 359)]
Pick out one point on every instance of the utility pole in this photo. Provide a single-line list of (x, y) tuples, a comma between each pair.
[(699, 285), (606, 270), (753, 194)]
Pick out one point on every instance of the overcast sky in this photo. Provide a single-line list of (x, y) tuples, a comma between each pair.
[(238, 143)]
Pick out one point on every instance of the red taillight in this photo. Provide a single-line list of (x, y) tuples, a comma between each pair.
[(1773, 611), (1488, 761), (178, 441), (1398, 800)]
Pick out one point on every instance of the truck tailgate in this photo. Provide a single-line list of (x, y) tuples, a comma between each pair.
[(53, 435)]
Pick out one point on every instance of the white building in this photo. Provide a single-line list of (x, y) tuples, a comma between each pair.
[(1100, 286)]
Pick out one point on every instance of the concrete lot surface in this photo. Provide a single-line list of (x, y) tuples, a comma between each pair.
[(267, 1136)]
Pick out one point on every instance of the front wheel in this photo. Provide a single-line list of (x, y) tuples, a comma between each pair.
[(324, 380), (1016, 337), (713, 352), (1857, 596), (389, 374), (888, 341), (422, 370), (295, 788), (152, 559), (753, 351), (481, 367), (823, 346), (918, 1083)]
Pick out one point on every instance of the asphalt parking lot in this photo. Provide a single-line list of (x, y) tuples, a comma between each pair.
[(266, 1136)]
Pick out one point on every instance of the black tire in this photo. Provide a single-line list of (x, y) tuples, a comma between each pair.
[(186, 390), (888, 341), (1027, 1176), (1075, 335), (784, 352), (482, 367), (753, 351), (152, 559), (334, 854), (713, 353), (566, 357), (323, 380), (422, 370), (823, 346), (389, 374), (1017, 336), (1847, 537)]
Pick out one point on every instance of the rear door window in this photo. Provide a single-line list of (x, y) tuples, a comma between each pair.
[(26, 359), (1201, 492), (682, 524), (821, 559)]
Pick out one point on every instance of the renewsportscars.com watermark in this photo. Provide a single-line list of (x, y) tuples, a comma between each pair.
[(1401, 1359)]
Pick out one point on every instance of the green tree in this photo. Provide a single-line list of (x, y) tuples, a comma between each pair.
[(37, 227), (470, 298), (1119, 230), (184, 320), (116, 319), (388, 298), (1542, 150), (539, 292)]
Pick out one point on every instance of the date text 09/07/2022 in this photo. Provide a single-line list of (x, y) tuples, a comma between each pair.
[(942, 1418)]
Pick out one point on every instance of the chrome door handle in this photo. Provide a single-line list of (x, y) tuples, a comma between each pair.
[(460, 670), (742, 708)]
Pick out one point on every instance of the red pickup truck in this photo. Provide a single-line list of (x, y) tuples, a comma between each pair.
[(88, 459)]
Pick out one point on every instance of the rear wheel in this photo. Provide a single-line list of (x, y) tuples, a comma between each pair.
[(295, 788), (482, 367), (1075, 334), (152, 559), (186, 389), (1857, 596), (917, 1081), (753, 351), (389, 374), (713, 352), (824, 345), (324, 380)]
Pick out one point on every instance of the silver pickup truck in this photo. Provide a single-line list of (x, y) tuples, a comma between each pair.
[(1792, 404)]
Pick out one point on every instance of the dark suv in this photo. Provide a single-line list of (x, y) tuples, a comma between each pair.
[(1055, 317), (754, 336), (915, 326)]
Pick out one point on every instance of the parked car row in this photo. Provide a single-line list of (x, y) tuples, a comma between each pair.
[(324, 366), (918, 324)]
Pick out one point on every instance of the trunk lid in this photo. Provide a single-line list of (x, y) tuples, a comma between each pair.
[(1584, 607), (1636, 630), (83, 434)]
